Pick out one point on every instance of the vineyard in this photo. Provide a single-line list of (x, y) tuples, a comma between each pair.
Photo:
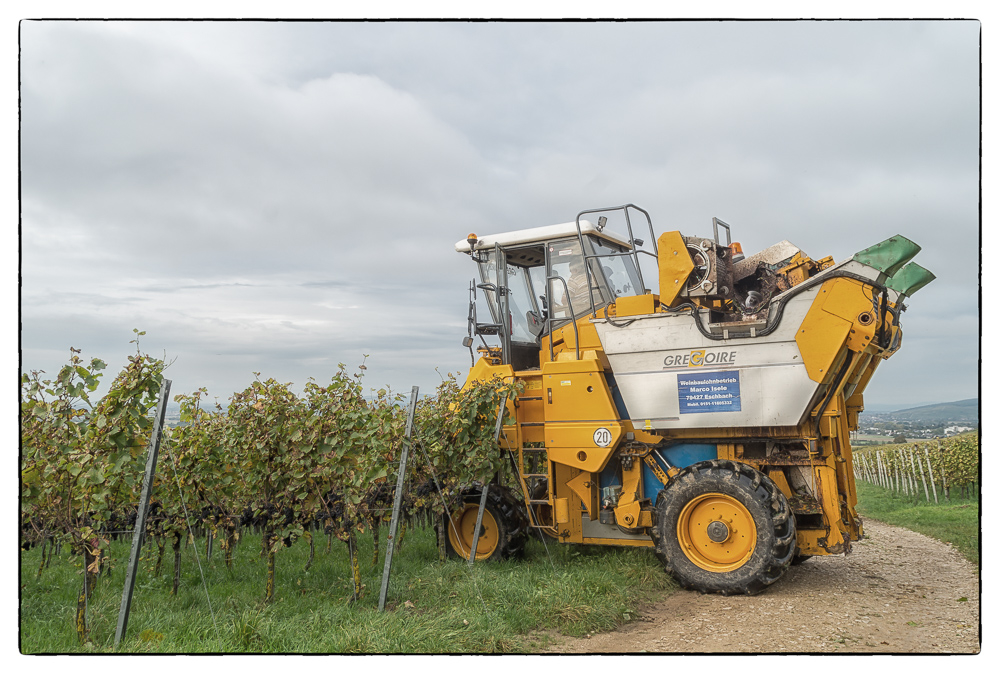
[(279, 466), (277, 475), (933, 469)]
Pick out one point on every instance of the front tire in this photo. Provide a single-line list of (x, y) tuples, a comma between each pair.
[(724, 527), (504, 526)]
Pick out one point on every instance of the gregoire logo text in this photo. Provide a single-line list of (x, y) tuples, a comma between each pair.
[(700, 358)]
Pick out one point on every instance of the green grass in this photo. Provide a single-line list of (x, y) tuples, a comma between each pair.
[(955, 521), (432, 607)]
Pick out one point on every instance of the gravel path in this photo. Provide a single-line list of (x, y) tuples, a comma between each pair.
[(897, 592)]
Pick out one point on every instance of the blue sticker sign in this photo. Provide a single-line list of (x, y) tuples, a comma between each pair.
[(709, 392)]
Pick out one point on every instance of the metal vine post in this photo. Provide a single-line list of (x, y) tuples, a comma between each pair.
[(140, 520)]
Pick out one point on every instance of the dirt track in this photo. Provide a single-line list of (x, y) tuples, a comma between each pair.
[(897, 592)]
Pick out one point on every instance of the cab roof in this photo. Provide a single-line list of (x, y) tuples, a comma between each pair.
[(539, 234)]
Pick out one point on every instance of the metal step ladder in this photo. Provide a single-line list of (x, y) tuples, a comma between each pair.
[(536, 457)]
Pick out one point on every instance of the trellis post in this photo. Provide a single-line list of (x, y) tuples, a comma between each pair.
[(398, 500), (930, 472), (923, 480), (140, 520), (482, 499)]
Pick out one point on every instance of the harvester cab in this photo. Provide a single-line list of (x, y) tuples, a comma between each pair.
[(544, 278), (705, 413)]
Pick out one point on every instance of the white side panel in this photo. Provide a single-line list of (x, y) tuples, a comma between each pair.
[(675, 377)]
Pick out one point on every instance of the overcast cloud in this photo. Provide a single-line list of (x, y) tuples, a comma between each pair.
[(280, 197)]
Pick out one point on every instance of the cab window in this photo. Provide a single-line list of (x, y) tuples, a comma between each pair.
[(567, 262), (619, 270)]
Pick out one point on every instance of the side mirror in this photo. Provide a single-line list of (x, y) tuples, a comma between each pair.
[(535, 323), (467, 341)]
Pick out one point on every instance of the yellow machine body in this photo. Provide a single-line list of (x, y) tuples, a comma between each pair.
[(606, 418)]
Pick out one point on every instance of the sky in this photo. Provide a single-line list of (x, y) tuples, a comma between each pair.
[(281, 197)]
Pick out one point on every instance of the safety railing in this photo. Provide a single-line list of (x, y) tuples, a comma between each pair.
[(634, 253)]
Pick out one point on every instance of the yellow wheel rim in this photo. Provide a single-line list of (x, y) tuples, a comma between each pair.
[(463, 529), (716, 532)]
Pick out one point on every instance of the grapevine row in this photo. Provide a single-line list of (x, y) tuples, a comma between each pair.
[(922, 469), (285, 464)]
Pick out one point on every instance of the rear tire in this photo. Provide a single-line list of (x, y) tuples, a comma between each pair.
[(724, 527), (504, 526)]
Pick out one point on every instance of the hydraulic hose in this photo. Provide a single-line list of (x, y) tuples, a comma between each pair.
[(612, 322), (849, 362)]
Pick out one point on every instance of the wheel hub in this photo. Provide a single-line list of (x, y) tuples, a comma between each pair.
[(718, 531), (462, 528)]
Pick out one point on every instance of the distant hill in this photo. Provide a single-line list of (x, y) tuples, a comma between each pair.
[(961, 410)]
